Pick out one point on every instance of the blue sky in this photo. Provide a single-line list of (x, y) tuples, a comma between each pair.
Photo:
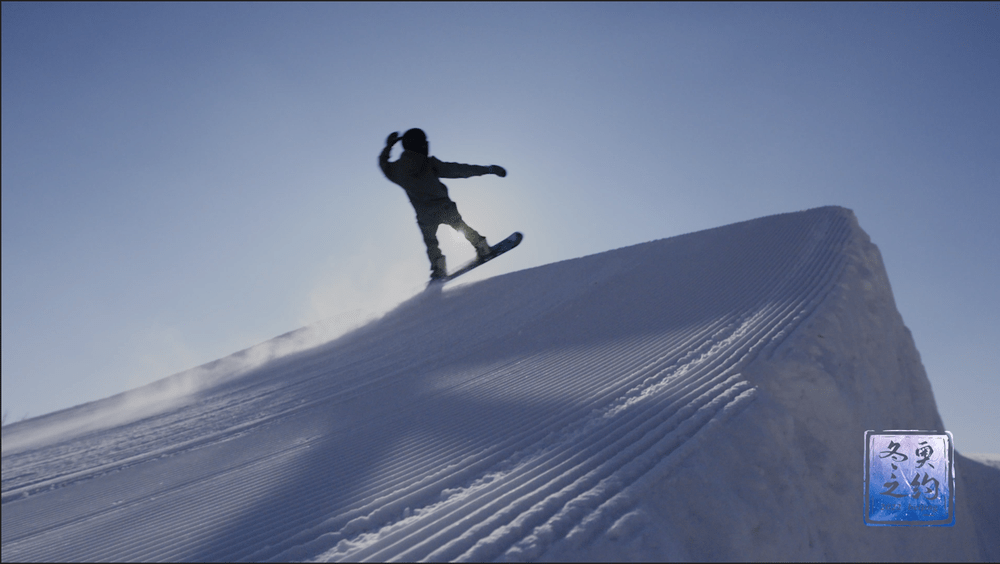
[(182, 181)]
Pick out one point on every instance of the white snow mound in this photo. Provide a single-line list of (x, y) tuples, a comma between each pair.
[(698, 397)]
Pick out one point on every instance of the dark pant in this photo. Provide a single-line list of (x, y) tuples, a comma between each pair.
[(429, 220)]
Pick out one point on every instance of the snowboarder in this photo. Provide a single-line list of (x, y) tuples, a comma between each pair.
[(419, 174)]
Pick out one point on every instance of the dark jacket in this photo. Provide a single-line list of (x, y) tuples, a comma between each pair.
[(419, 174)]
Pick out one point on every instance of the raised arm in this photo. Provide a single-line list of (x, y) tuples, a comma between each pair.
[(383, 158)]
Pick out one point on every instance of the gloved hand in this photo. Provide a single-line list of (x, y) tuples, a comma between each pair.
[(392, 138), (498, 170)]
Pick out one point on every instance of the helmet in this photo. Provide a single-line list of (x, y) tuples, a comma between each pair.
[(415, 140)]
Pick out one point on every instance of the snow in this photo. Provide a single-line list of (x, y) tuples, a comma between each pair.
[(698, 397)]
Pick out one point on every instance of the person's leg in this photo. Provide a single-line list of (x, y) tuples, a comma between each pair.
[(452, 218), (428, 229), (477, 240), (470, 234)]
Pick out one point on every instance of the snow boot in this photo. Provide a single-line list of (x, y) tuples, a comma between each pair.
[(439, 270), (483, 249)]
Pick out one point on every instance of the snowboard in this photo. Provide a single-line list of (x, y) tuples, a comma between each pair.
[(495, 251)]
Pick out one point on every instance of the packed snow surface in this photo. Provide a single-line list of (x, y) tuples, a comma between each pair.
[(698, 397)]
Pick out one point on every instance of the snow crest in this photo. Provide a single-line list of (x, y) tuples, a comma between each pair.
[(530, 416)]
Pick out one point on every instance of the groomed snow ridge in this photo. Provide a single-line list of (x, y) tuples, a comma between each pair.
[(698, 397)]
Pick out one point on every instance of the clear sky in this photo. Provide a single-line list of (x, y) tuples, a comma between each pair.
[(182, 181)]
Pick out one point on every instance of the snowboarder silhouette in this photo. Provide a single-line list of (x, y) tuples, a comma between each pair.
[(419, 174)]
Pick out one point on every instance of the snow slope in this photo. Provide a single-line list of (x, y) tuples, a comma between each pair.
[(698, 397)]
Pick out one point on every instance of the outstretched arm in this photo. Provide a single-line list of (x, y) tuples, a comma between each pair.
[(458, 170)]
